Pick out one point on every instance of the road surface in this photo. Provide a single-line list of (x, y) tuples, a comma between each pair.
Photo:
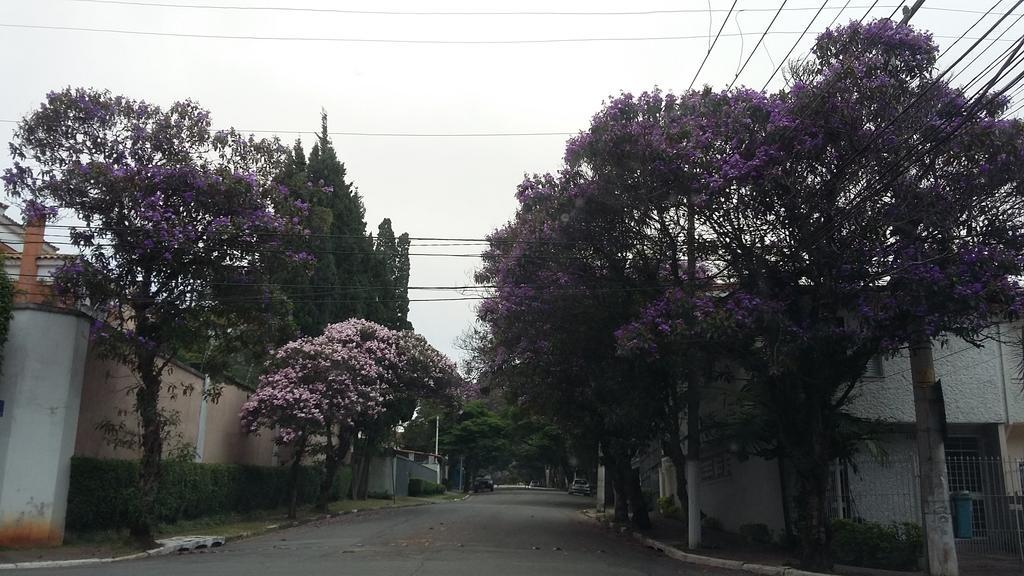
[(507, 532)]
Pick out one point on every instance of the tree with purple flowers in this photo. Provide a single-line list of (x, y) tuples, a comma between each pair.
[(176, 241), (868, 208)]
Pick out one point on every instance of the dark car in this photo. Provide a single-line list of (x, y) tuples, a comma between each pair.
[(580, 486), (483, 484)]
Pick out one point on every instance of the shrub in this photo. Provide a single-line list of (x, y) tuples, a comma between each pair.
[(667, 507), (874, 545), (711, 523), (420, 487), (102, 494), (650, 499), (758, 533)]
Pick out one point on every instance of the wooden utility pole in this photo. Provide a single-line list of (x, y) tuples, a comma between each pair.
[(692, 393)]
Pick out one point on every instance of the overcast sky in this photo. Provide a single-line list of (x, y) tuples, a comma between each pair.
[(453, 186)]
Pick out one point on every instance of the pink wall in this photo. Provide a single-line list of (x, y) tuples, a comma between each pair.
[(107, 395)]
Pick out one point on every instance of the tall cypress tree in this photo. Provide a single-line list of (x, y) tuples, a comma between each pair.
[(354, 275), (392, 271)]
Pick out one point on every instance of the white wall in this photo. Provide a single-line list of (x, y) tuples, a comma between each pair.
[(750, 495), (41, 385), (980, 384), (380, 479)]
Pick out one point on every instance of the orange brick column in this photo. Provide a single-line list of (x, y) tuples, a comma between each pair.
[(29, 289)]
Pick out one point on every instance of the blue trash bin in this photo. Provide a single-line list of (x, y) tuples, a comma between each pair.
[(963, 515)]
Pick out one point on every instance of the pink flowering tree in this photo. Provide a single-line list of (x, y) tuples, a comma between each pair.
[(353, 378), (174, 246), (317, 388), (418, 373)]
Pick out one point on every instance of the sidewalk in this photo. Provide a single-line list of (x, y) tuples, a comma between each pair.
[(670, 536), (108, 546)]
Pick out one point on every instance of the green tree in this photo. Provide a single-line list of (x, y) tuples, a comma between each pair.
[(353, 275), (479, 436), (392, 277)]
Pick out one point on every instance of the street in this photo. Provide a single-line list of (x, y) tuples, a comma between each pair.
[(512, 532)]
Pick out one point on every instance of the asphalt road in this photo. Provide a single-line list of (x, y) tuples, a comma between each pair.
[(508, 532)]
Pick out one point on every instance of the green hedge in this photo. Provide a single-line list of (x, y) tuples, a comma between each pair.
[(418, 487), (874, 545), (102, 493)]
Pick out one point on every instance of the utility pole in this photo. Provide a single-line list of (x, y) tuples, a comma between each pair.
[(909, 11), (929, 431), (692, 394), (437, 435)]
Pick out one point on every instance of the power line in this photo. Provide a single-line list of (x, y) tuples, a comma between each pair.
[(793, 47), (870, 8), (759, 41), (83, 227), (428, 13), (366, 40), (970, 108), (480, 13), (395, 134), (712, 46), (520, 41)]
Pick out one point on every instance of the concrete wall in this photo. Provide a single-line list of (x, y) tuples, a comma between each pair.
[(41, 385), (108, 397), (210, 429), (751, 494), (886, 490), (380, 479), (226, 442), (386, 470), (980, 384)]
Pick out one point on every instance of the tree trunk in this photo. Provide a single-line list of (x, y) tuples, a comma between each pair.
[(813, 526), (641, 519), (361, 468), (619, 489), (330, 470), (930, 422), (147, 399), (787, 513), (293, 477)]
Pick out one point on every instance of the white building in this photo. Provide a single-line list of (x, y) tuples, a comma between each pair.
[(984, 404)]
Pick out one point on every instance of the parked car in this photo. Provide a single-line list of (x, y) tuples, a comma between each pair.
[(483, 484), (580, 486)]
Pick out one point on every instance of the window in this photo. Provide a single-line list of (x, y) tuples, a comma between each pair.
[(874, 367), (715, 467)]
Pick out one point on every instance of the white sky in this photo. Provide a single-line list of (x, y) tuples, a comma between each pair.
[(449, 187)]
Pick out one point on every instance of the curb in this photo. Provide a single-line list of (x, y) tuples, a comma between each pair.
[(162, 551), (185, 544), (677, 554)]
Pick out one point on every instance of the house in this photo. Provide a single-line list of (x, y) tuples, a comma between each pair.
[(984, 403), (57, 395)]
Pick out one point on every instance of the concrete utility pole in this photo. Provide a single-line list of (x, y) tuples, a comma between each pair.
[(929, 429), (909, 11), (692, 395)]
